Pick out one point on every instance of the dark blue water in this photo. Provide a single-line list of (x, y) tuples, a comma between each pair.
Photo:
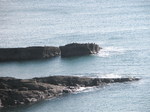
[(121, 27)]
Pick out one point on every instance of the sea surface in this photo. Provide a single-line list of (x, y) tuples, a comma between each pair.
[(120, 27)]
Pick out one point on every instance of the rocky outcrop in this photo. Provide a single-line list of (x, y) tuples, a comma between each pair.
[(28, 53), (24, 91), (76, 49)]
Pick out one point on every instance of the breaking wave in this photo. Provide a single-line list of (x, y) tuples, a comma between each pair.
[(109, 51), (110, 76)]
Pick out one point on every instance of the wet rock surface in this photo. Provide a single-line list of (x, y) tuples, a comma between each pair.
[(24, 91)]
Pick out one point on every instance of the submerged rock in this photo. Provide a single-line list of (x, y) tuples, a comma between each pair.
[(76, 49), (24, 91)]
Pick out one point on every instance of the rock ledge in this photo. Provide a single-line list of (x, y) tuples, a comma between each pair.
[(24, 91)]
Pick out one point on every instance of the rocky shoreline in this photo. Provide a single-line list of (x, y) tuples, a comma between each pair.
[(25, 91), (15, 92), (44, 52)]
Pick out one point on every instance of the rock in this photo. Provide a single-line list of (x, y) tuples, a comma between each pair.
[(1, 104), (28, 53), (74, 81), (76, 49), (24, 91), (67, 91)]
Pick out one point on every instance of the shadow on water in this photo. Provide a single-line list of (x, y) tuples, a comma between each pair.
[(77, 57), (48, 59), (46, 67)]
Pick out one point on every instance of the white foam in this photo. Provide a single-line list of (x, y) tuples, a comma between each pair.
[(108, 51), (84, 89), (81, 89), (110, 76)]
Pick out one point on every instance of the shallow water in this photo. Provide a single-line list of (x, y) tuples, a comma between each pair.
[(122, 28)]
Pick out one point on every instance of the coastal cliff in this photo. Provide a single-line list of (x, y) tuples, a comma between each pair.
[(25, 91), (76, 49)]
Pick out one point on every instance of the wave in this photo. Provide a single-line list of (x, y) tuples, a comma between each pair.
[(88, 89), (93, 88), (99, 75), (85, 89), (110, 76), (109, 51)]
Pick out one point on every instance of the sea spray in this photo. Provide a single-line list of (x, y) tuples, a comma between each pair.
[(109, 51)]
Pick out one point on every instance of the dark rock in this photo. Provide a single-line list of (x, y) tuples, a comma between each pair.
[(76, 49), (28, 53), (67, 91), (80, 81), (24, 91), (1, 104)]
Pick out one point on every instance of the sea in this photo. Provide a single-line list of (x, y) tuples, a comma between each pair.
[(120, 27)]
